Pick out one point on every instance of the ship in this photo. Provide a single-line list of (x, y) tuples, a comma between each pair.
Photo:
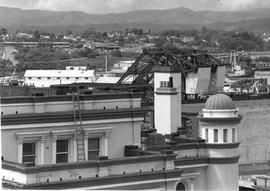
[(237, 70)]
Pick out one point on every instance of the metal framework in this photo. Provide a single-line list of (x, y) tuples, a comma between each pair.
[(184, 59)]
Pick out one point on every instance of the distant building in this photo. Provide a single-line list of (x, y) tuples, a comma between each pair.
[(262, 70), (121, 67), (46, 78)]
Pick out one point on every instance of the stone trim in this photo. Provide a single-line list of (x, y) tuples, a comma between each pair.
[(61, 98), (32, 135), (206, 160), (99, 181), (166, 91), (87, 164), (195, 146), (190, 161), (236, 119), (224, 160), (68, 116)]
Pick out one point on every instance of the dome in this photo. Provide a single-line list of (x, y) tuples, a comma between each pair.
[(219, 102)]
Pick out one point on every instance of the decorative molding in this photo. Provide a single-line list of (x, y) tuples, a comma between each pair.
[(98, 130), (223, 160), (86, 164), (28, 99), (105, 182), (235, 119), (65, 134), (70, 124), (32, 135), (187, 146), (43, 118)]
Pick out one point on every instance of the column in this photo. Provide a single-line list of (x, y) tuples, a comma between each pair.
[(86, 146), (54, 138), (20, 150), (42, 150), (106, 144), (75, 148)]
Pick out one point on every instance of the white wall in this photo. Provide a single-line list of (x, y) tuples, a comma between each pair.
[(167, 107), (222, 177)]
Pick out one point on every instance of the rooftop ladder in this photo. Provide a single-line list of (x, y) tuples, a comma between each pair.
[(78, 125)]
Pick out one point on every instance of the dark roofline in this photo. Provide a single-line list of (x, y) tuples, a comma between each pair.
[(40, 99), (53, 117)]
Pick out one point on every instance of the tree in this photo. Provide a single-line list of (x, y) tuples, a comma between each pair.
[(69, 32), (3, 31), (36, 35), (6, 67), (116, 53), (159, 42)]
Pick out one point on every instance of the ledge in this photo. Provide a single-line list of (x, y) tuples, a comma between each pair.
[(53, 117), (40, 99), (187, 146), (206, 160), (87, 164), (166, 90), (220, 119), (99, 181)]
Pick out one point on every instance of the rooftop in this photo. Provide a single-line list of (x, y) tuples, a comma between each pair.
[(59, 73)]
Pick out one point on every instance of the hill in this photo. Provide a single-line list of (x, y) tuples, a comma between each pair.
[(179, 18)]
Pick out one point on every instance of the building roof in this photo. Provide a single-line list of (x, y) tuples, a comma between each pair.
[(59, 73), (219, 102), (108, 79)]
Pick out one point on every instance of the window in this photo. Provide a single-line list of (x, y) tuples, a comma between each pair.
[(58, 78), (215, 135), (39, 78), (67, 78), (233, 135), (180, 187), (164, 84), (225, 135), (48, 78), (206, 135), (29, 78), (29, 153), (61, 151), (86, 78), (77, 78), (93, 148)]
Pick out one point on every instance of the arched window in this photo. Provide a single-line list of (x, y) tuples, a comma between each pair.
[(180, 186)]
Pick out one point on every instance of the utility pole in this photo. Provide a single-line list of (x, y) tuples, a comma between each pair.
[(106, 61)]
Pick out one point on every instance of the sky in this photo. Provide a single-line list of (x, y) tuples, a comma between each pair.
[(118, 6)]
